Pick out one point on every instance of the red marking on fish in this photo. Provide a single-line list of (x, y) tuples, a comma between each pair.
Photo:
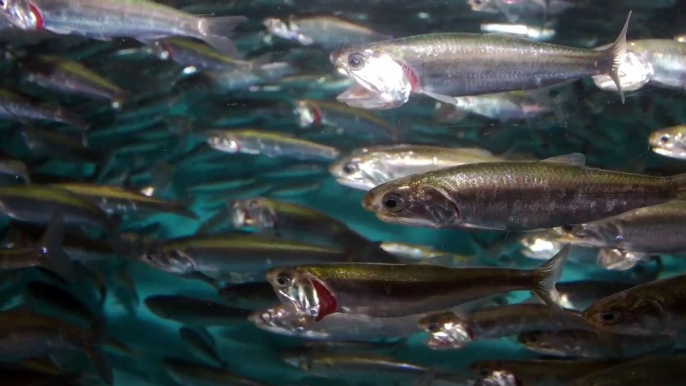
[(317, 117), (40, 22), (412, 77), (327, 302)]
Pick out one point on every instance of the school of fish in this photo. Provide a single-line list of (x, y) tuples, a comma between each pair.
[(342, 192)]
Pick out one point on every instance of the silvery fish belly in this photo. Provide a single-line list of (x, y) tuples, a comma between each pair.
[(444, 66)]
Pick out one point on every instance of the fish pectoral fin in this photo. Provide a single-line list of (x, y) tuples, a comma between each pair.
[(440, 97), (574, 159)]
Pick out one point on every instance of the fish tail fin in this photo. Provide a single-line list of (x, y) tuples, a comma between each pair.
[(679, 182), (547, 276), (213, 31), (96, 354), (617, 52), (53, 256)]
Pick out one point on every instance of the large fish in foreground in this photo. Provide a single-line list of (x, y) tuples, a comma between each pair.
[(554, 192), (393, 290), (447, 65), (106, 19)]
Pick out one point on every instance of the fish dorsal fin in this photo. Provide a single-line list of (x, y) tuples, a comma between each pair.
[(573, 159)]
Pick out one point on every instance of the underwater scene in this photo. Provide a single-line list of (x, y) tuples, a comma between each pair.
[(342, 192)]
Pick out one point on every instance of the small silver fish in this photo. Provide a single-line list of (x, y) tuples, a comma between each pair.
[(106, 19)]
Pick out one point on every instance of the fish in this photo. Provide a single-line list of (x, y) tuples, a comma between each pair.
[(24, 108), (52, 297), (269, 144), (301, 223), (47, 253), (658, 369), (447, 65), (620, 260), (335, 364), (237, 257), (37, 204), (326, 31), (189, 52), (654, 229), (659, 62), (336, 327), (253, 296), (669, 142), (369, 167), (143, 20), (78, 248), (194, 311), (346, 120), (518, 195), (391, 290), (647, 309), (124, 290), (545, 371), (539, 33), (61, 147), (68, 76), (190, 373), (202, 345), (221, 82), (410, 253), (450, 331), (14, 168), (579, 295), (508, 106), (115, 200), (590, 344), (27, 334)]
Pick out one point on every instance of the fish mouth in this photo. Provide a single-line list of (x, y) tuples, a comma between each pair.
[(363, 94), (435, 343), (359, 185)]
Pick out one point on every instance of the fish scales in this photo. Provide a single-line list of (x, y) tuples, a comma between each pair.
[(472, 64)]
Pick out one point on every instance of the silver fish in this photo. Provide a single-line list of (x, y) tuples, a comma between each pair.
[(106, 19), (447, 65), (367, 168)]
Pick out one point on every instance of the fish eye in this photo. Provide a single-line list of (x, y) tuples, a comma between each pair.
[(284, 279), (433, 327), (664, 138), (3, 4), (392, 202), (355, 60), (568, 228), (349, 168), (533, 338), (610, 316)]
